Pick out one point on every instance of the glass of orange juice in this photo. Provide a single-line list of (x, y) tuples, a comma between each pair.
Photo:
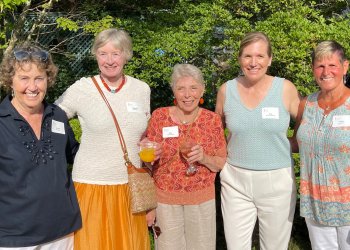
[(147, 150)]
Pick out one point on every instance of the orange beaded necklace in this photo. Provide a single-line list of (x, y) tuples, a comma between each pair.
[(113, 90)]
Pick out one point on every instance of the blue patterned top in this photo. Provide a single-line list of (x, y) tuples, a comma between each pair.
[(324, 146)]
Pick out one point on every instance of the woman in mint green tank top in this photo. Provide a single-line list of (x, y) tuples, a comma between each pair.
[(324, 145), (257, 181)]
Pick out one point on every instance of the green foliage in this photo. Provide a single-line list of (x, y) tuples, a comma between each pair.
[(203, 32), (6, 8), (207, 34), (74, 123), (10, 4), (67, 24)]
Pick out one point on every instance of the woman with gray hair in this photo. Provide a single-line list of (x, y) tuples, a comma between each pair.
[(193, 151), (99, 173)]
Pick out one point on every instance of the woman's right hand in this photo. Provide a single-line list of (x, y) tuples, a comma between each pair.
[(157, 149)]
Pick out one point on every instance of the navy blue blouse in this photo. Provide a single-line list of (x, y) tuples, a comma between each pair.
[(38, 203)]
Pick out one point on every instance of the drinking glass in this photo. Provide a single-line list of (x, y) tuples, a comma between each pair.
[(147, 150), (185, 149)]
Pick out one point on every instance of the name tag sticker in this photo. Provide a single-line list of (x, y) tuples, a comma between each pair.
[(57, 127), (341, 121), (270, 113), (171, 132), (133, 107)]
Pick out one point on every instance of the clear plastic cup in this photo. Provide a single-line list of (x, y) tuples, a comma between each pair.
[(147, 150)]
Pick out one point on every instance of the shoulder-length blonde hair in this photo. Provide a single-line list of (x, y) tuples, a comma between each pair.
[(253, 37)]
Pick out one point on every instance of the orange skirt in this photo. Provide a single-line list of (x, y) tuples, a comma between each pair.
[(108, 223)]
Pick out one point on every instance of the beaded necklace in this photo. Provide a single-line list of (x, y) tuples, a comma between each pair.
[(113, 90)]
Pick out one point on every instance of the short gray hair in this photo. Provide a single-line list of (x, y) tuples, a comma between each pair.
[(120, 39), (328, 48), (186, 70)]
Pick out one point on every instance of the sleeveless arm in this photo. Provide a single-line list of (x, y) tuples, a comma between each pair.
[(293, 139), (291, 98), (220, 101)]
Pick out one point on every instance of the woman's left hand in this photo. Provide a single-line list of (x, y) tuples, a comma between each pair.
[(196, 155), (157, 152), (213, 162), (151, 217)]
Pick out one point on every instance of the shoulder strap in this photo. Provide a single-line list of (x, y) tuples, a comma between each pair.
[(120, 135)]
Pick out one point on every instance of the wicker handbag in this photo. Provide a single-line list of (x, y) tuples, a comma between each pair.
[(141, 184)]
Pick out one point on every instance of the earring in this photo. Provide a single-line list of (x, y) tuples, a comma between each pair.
[(201, 100), (12, 93), (175, 101)]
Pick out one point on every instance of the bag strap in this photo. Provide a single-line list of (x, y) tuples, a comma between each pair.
[(120, 135)]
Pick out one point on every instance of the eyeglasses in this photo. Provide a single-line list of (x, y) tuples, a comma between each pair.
[(23, 55), (156, 231)]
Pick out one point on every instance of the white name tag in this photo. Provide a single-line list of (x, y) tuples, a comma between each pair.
[(169, 132), (133, 107), (341, 121), (57, 127), (270, 113)]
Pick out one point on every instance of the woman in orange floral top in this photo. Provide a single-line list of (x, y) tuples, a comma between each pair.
[(186, 200)]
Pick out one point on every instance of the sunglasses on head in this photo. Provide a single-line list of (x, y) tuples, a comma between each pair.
[(156, 231), (23, 55)]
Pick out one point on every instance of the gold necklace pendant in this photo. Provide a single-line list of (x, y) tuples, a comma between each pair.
[(185, 122), (330, 105)]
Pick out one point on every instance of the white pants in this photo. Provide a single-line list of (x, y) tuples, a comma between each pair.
[(64, 243), (191, 227), (247, 195), (328, 238)]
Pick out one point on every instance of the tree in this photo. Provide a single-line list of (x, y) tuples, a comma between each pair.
[(165, 32), (206, 33)]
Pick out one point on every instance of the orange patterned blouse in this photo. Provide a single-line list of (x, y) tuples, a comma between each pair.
[(173, 186)]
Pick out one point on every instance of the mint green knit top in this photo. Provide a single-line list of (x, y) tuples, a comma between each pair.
[(258, 136)]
